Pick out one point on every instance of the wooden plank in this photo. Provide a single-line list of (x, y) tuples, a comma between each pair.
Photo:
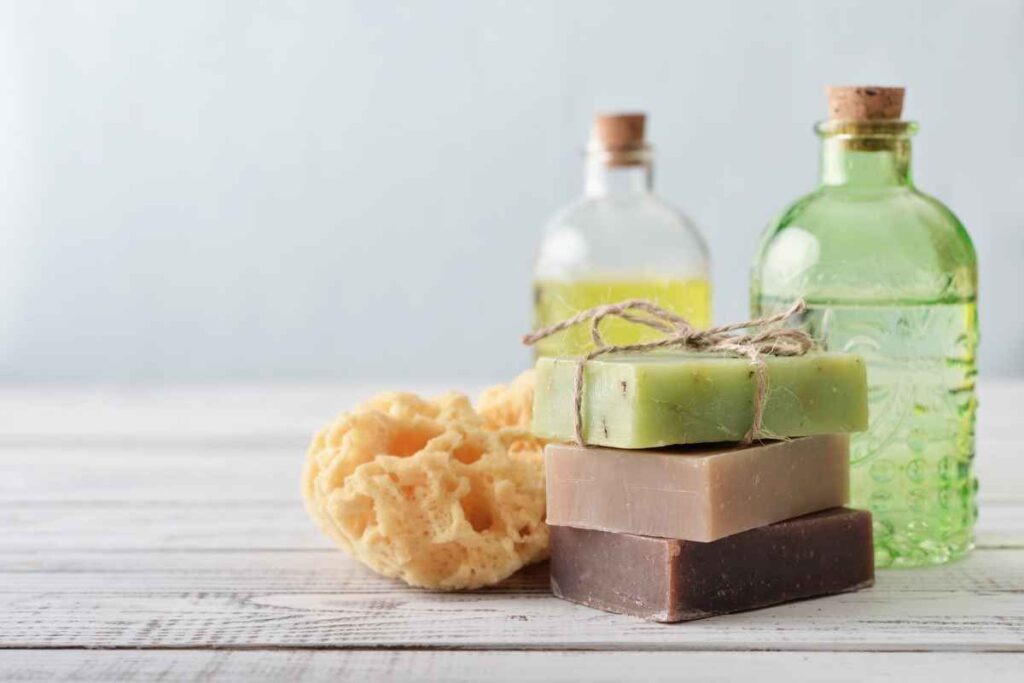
[(269, 525), (173, 573), (244, 413), (210, 472), (184, 413), (281, 599), (202, 475), (258, 525), (471, 667)]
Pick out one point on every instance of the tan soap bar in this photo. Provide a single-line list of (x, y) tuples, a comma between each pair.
[(695, 493)]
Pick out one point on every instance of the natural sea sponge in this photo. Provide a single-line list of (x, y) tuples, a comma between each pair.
[(508, 405), (432, 491)]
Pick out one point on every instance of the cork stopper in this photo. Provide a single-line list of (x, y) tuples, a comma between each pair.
[(864, 103), (620, 136)]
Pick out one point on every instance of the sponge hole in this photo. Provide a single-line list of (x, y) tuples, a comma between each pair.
[(442, 561), (411, 441), (477, 510), (360, 514), (468, 452)]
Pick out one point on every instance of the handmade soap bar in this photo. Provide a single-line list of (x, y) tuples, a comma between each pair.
[(669, 580), (695, 493), (643, 401)]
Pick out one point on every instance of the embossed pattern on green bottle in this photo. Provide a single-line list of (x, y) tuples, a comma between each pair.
[(914, 467)]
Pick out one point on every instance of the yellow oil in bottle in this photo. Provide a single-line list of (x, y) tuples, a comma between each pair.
[(555, 300)]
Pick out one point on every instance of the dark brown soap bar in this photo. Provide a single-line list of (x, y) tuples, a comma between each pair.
[(668, 580)]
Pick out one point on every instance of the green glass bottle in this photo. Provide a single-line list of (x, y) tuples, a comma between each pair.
[(890, 273)]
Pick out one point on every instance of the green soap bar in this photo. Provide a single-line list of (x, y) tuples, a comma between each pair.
[(660, 399)]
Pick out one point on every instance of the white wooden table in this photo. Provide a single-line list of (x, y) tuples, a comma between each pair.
[(158, 533)]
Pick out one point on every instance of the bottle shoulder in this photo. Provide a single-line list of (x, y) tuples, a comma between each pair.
[(896, 243), (642, 211), (830, 210), (639, 233)]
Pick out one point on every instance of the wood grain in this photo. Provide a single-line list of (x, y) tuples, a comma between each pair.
[(206, 414), (256, 413), (282, 599), (197, 475), (471, 667), (47, 526), (221, 472)]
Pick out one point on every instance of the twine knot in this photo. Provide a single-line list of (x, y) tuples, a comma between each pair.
[(764, 336)]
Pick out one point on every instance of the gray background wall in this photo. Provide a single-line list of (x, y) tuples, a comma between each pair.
[(220, 190)]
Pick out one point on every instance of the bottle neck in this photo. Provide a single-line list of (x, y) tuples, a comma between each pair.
[(868, 155), (605, 180)]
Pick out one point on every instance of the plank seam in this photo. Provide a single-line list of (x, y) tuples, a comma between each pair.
[(497, 647)]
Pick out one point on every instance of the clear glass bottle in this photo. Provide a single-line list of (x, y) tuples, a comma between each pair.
[(619, 241), (890, 273)]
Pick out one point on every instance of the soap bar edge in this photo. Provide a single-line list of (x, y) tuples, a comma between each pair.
[(555, 422)]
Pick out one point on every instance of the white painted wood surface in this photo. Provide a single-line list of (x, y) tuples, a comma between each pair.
[(158, 533), (473, 667)]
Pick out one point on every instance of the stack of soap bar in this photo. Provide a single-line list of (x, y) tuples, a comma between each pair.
[(664, 579), (650, 400), (667, 516)]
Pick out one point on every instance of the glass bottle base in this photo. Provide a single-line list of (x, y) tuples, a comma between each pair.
[(897, 552)]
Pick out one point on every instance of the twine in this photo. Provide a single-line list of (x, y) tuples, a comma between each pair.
[(764, 337)]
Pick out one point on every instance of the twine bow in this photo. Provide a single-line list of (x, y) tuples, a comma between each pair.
[(764, 336)]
